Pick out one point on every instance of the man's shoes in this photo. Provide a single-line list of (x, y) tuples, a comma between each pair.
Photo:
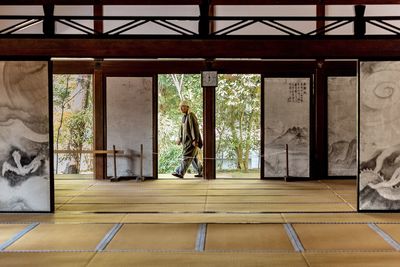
[(198, 175), (177, 175)]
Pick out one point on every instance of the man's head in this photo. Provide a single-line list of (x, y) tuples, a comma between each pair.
[(184, 106)]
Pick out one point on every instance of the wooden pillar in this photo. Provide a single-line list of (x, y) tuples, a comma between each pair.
[(99, 126), (359, 22), (204, 21), (98, 24), (209, 132), (320, 159), (320, 13), (48, 22)]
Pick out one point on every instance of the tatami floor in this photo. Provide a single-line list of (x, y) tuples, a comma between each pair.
[(202, 223)]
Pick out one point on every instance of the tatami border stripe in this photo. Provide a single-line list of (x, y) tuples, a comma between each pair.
[(108, 237), (201, 237), (385, 236), (15, 238), (294, 239)]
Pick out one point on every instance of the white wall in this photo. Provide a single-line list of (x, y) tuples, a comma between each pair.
[(186, 10), (129, 123), (73, 11), (154, 10), (273, 11), (371, 10)]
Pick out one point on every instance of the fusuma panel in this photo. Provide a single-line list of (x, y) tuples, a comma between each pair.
[(342, 132), (286, 121), (379, 121), (24, 136), (130, 124)]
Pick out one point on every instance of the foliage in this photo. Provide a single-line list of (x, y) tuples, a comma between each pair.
[(169, 159), (171, 90), (237, 118), (73, 118)]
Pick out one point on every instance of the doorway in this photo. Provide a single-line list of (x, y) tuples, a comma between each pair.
[(238, 126), (73, 126), (172, 89)]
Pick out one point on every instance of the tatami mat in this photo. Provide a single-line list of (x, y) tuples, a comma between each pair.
[(272, 199), (155, 237), (8, 231), (134, 207), (62, 237), (339, 237), (393, 230), (247, 237), (59, 259), (154, 259), (362, 259), (203, 218), (144, 192), (273, 207), (340, 217), (62, 217), (271, 192), (138, 199)]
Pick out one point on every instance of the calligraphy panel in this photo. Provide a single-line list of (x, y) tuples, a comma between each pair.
[(286, 121)]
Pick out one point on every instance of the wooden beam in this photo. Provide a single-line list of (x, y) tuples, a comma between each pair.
[(151, 67), (184, 48), (73, 67), (197, 2)]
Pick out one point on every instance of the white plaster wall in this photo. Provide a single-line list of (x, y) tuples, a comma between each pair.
[(187, 10), (371, 10), (129, 124), (153, 10), (273, 11), (73, 11), (22, 10)]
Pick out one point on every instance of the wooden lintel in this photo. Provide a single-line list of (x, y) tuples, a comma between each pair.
[(73, 67), (197, 2), (228, 48)]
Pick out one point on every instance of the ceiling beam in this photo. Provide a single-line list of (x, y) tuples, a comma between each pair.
[(189, 48), (197, 2)]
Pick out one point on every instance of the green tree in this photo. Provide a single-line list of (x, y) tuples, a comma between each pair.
[(172, 88), (73, 117), (238, 118)]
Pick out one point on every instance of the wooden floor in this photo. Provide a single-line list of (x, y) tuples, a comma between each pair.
[(202, 223)]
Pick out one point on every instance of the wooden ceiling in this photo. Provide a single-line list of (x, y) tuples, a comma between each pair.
[(197, 2)]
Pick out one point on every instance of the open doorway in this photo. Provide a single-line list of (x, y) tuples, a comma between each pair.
[(172, 89), (237, 126), (73, 126)]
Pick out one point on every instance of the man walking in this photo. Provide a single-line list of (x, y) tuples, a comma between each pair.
[(190, 139)]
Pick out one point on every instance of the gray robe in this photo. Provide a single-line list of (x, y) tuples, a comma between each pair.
[(189, 132)]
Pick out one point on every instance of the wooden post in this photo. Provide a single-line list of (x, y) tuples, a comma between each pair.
[(115, 162), (318, 131), (141, 161), (209, 132), (204, 21), (98, 12), (49, 27), (287, 162), (359, 22), (99, 120)]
